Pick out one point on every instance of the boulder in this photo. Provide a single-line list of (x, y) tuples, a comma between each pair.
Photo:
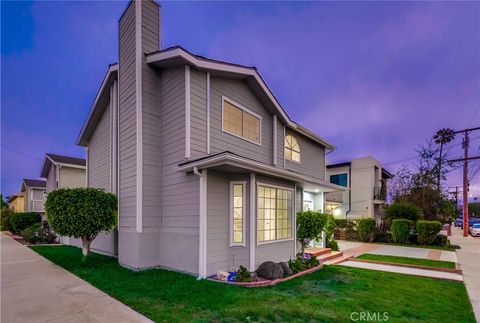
[(287, 271), (270, 270)]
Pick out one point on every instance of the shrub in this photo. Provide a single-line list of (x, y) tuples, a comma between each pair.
[(427, 231), (441, 240), (30, 234), (23, 220), (401, 210), (366, 230), (310, 225), (332, 244), (341, 223), (81, 213), (6, 217), (296, 265), (401, 230), (311, 262), (382, 236), (243, 275)]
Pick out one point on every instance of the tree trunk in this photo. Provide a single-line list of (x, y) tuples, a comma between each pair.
[(85, 246)]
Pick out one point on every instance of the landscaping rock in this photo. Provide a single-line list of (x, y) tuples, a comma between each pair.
[(287, 271), (270, 270)]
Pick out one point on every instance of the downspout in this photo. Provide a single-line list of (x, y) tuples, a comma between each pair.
[(202, 230), (349, 191)]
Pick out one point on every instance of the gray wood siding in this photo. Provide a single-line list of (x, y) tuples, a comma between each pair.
[(220, 256), (198, 106), (51, 179), (312, 157), (99, 154), (180, 192), (72, 177), (127, 120), (222, 141)]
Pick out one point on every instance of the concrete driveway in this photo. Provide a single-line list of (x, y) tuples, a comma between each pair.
[(35, 290), (469, 261)]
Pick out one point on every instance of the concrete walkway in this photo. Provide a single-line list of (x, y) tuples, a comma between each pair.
[(358, 248), (35, 290), (404, 270), (469, 261)]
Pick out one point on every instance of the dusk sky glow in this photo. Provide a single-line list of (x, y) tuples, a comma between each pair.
[(373, 78)]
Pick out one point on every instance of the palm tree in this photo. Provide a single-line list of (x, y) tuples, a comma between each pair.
[(442, 137)]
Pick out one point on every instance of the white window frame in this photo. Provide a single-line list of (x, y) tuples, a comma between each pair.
[(241, 107), (244, 205), (292, 190), (285, 148)]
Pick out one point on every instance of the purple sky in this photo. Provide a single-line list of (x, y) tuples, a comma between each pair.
[(374, 78)]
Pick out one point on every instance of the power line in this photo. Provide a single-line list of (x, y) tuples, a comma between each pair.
[(20, 153)]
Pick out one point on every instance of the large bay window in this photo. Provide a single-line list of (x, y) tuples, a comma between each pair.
[(237, 213), (240, 121), (275, 209)]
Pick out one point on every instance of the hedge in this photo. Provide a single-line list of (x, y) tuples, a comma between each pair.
[(427, 231), (401, 210), (366, 230), (6, 217), (23, 220), (401, 230)]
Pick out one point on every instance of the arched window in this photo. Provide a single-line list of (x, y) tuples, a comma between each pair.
[(292, 149)]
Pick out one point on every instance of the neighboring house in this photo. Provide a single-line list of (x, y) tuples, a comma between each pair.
[(366, 196), (33, 191), (208, 167), (16, 202), (64, 172)]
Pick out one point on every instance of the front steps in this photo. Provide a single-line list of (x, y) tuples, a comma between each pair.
[(326, 256)]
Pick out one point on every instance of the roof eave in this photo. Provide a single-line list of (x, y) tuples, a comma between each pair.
[(82, 139)]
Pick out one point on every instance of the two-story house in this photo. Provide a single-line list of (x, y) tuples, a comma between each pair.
[(208, 167), (33, 192), (366, 194), (64, 172)]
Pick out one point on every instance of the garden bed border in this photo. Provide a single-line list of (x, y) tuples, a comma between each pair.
[(265, 283)]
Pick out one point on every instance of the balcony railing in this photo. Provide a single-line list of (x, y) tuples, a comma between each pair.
[(380, 193)]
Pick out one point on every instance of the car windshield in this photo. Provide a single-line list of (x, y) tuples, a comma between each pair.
[(476, 225)]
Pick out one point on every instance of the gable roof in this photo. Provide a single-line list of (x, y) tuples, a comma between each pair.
[(60, 160), (98, 106), (174, 56), (37, 183), (177, 55), (13, 197)]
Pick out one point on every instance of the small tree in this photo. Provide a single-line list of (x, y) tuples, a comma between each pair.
[(310, 225), (81, 213)]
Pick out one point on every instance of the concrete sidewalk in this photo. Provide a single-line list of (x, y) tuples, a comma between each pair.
[(358, 248), (404, 270), (35, 290), (469, 261)]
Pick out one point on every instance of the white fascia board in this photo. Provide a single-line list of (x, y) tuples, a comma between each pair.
[(139, 119)]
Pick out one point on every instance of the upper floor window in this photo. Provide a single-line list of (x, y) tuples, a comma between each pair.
[(292, 149), (339, 179), (241, 122)]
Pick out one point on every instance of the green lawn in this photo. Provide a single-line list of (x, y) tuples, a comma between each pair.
[(408, 261), (328, 295)]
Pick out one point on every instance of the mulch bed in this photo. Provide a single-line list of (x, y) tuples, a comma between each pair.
[(266, 282)]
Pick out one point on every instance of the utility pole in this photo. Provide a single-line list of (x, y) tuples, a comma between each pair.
[(456, 199), (465, 159)]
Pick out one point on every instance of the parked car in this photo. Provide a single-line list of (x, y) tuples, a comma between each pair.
[(475, 230), (458, 222), (472, 221)]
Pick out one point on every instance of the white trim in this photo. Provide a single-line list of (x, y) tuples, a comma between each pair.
[(243, 162), (86, 168), (202, 234), (260, 243), (187, 112), (275, 139), (241, 107), (252, 213), (208, 113), (284, 133), (139, 121), (236, 69), (114, 138), (110, 139), (244, 220), (294, 221)]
